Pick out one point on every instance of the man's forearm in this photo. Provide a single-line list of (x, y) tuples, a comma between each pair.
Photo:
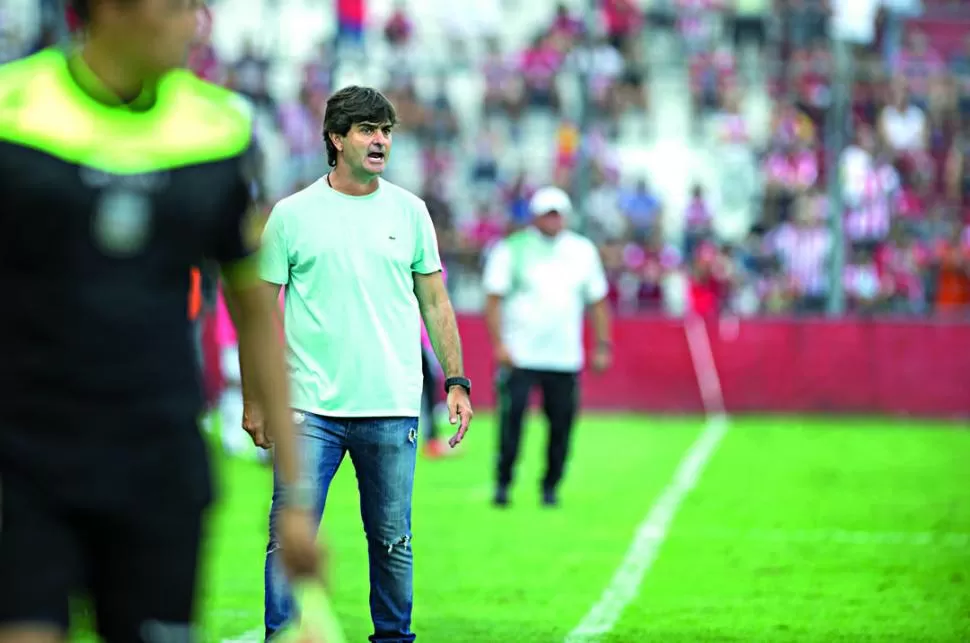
[(443, 332), (601, 322), (493, 318), (245, 359)]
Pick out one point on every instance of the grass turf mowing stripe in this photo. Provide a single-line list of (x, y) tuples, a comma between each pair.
[(830, 525)]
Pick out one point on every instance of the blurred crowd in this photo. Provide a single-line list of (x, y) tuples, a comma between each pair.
[(905, 174), (904, 183)]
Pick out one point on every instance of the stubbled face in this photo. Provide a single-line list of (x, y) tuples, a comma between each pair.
[(366, 148), (550, 223)]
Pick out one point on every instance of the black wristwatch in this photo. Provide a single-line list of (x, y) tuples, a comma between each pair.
[(463, 382)]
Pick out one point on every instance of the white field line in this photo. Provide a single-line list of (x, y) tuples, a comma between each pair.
[(652, 532), (649, 537)]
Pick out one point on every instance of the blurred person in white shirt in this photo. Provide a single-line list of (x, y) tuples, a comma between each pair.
[(902, 124), (539, 283)]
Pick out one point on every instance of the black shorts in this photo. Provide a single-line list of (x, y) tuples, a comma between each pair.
[(139, 569), (114, 521)]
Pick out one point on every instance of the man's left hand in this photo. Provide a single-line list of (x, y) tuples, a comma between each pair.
[(459, 412), (602, 359)]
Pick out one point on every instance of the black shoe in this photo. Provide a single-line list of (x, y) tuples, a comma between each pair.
[(549, 498), (501, 497)]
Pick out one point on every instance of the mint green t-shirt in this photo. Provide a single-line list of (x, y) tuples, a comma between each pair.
[(352, 323)]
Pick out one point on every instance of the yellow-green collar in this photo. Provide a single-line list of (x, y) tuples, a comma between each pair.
[(89, 82)]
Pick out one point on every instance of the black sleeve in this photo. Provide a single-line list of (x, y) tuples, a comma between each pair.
[(236, 235)]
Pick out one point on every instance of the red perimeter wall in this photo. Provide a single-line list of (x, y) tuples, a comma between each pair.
[(849, 366)]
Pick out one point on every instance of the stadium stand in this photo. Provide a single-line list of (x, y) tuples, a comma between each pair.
[(707, 145)]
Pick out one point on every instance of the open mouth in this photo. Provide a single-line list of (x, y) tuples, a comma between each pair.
[(376, 156)]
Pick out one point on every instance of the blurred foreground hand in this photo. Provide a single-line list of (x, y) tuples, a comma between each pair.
[(318, 624)]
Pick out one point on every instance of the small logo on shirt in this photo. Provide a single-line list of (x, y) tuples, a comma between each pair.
[(392, 238), (122, 222)]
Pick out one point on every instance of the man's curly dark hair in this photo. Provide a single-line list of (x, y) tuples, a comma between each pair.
[(351, 105)]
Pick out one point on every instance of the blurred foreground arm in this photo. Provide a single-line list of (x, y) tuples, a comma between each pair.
[(254, 420), (254, 313)]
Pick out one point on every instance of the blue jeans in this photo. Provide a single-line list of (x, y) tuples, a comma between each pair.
[(384, 452)]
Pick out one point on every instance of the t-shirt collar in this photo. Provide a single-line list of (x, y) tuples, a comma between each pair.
[(89, 82)]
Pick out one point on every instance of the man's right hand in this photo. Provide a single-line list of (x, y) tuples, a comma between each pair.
[(502, 356), (254, 424)]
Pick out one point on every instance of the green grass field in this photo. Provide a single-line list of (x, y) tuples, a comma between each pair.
[(797, 530)]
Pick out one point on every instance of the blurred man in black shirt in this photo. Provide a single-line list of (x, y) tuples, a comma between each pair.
[(118, 173)]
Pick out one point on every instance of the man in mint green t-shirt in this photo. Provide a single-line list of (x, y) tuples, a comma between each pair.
[(358, 259)]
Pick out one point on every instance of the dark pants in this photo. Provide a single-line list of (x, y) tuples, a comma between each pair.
[(559, 402)]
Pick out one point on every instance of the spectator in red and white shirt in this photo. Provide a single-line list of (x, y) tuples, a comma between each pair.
[(869, 185), (804, 248), (789, 172)]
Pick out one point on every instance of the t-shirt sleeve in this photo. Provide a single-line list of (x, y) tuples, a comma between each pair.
[(426, 258), (497, 279), (596, 287), (235, 240), (274, 260)]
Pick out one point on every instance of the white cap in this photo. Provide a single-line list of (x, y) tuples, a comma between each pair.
[(549, 199)]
